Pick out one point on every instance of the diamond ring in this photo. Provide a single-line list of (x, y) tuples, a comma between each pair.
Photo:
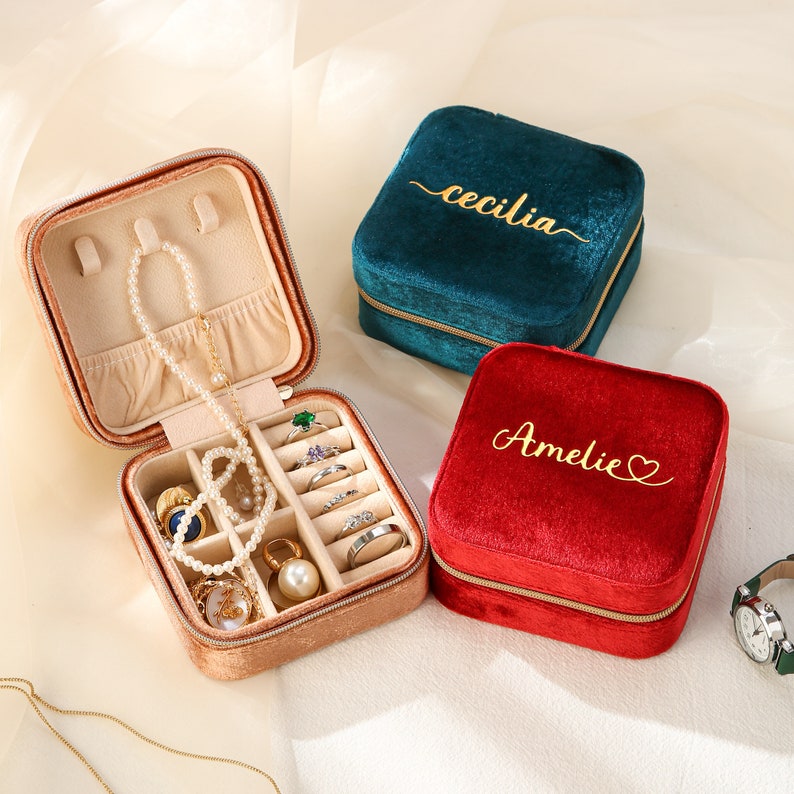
[(354, 522), (337, 500)]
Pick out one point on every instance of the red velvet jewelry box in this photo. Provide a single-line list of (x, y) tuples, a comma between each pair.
[(90, 263), (576, 499)]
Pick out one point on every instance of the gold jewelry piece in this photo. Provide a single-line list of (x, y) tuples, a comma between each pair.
[(26, 689), (382, 540), (298, 579), (170, 508), (226, 603)]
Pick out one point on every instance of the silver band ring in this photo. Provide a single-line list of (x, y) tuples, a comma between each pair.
[(337, 467), (303, 422), (337, 500), (354, 522), (392, 532), (317, 453)]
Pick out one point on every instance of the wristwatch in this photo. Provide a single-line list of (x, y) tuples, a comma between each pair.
[(758, 626)]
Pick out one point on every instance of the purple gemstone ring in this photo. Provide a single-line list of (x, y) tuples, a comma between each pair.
[(315, 454)]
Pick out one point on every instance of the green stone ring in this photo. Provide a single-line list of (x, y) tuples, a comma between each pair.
[(303, 422)]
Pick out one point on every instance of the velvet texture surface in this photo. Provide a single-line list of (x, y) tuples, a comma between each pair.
[(583, 480), (501, 229)]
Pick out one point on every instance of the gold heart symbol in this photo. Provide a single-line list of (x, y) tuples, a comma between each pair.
[(651, 467)]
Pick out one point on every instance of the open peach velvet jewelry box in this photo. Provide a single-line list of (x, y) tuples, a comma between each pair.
[(337, 498)]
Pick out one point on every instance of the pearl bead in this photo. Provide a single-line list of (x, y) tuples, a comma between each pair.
[(298, 579), (242, 453)]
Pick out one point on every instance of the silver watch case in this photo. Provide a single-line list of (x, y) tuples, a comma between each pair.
[(770, 621)]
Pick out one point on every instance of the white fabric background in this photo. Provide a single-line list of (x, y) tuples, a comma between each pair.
[(324, 96)]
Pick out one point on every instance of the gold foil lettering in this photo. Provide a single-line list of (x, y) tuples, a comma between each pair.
[(480, 205), (469, 200), (550, 450), (637, 468)]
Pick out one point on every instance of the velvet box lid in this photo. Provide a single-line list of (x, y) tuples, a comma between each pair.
[(576, 499), (489, 230)]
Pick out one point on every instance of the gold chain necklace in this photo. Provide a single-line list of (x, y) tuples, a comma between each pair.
[(25, 688)]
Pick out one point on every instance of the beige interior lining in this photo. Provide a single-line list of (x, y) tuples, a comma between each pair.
[(237, 286), (299, 514)]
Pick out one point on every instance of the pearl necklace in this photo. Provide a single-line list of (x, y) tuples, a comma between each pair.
[(264, 491)]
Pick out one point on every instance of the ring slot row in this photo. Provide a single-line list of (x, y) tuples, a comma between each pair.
[(282, 433), (329, 525), (339, 554), (301, 449)]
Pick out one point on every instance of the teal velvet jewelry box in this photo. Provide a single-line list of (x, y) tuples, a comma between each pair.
[(489, 230)]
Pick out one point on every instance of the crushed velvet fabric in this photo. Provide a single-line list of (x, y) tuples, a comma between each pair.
[(501, 229), (580, 479)]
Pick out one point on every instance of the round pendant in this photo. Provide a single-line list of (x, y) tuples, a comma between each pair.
[(195, 529), (170, 508), (228, 605)]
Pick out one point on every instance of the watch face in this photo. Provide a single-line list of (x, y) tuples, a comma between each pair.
[(752, 634)]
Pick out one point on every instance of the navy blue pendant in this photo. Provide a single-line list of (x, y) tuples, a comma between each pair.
[(195, 528)]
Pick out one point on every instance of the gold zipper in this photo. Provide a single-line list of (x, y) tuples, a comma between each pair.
[(419, 320), (578, 341), (484, 340), (625, 617)]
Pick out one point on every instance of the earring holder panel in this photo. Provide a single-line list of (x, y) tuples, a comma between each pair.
[(99, 337), (289, 454)]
